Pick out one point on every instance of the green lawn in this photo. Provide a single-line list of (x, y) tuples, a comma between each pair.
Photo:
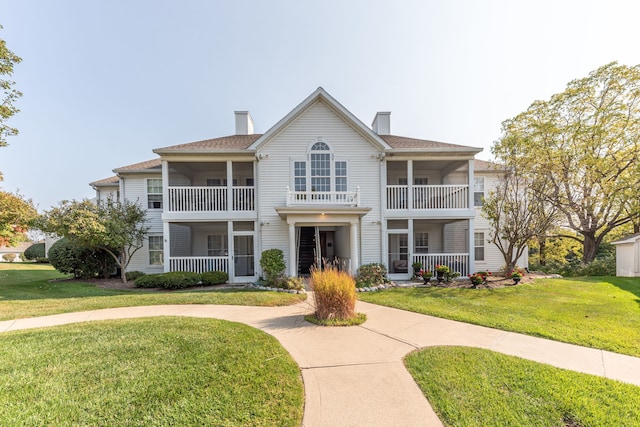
[(475, 387), (602, 312), (148, 372), (27, 290)]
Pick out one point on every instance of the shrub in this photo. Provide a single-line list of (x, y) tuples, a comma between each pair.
[(335, 294), (133, 275), (296, 283), (171, 280), (34, 251), (9, 257), (214, 278), (69, 257), (371, 275), (273, 266)]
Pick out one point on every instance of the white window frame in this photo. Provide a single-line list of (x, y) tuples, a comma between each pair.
[(154, 199), (478, 191), (478, 245), (307, 178), (158, 259), (421, 237), (220, 248)]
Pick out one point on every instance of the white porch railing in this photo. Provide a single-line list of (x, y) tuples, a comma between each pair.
[(347, 198), (209, 199), (428, 197), (196, 264), (456, 262)]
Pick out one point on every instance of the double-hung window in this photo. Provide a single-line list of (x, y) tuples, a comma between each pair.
[(421, 242), (478, 191), (154, 193), (320, 173), (478, 244), (156, 250)]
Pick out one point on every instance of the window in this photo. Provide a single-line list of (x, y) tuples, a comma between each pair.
[(217, 245), (156, 250), (420, 181), (421, 243), (341, 176), (478, 243), (478, 191), (217, 182), (300, 176), (154, 193), (320, 158)]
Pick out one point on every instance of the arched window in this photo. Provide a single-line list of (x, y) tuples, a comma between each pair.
[(320, 158), (320, 170)]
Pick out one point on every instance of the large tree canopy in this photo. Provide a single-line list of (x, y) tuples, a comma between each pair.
[(115, 227), (16, 214), (583, 144)]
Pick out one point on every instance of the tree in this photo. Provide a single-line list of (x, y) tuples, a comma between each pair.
[(118, 228), (16, 215), (516, 215), (584, 145), (9, 94)]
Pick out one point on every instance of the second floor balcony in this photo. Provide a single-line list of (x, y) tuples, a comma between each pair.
[(211, 199), (427, 197)]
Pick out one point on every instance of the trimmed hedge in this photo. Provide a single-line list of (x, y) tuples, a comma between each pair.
[(67, 256), (34, 251), (171, 280), (214, 278), (133, 275)]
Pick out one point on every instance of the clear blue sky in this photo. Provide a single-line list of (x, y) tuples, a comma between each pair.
[(105, 82)]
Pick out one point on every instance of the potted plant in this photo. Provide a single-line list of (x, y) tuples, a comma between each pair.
[(425, 274), (477, 279), (516, 276), (417, 266), (441, 272)]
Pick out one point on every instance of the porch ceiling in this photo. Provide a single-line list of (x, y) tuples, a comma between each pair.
[(321, 212)]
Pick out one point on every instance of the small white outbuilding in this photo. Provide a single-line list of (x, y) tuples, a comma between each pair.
[(628, 256)]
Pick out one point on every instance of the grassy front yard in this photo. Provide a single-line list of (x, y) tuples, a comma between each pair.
[(599, 312), (26, 291), (141, 372)]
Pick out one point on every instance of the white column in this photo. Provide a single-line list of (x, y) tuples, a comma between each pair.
[(471, 184), (410, 184), (355, 262), (230, 252), (229, 185), (293, 268), (472, 252), (165, 186), (166, 246)]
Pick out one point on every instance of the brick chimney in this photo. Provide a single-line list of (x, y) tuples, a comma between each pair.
[(244, 123), (382, 123)]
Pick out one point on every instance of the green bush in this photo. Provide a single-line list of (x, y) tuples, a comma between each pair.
[(69, 257), (371, 275), (273, 266), (34, 251), (133, 275), (214, 278), (171, 280)]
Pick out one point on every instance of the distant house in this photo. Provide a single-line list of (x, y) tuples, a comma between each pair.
[(16, 250), (628, 256), (319, 184)]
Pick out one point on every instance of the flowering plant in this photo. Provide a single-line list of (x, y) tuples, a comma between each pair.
[(442, 269), (516, 274), (477, 278), (424, 273)]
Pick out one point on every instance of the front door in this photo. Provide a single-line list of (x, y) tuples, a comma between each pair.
[(243, 256)]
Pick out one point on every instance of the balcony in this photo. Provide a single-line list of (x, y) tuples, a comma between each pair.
[(211, 199), (428, 197), (311, 198)]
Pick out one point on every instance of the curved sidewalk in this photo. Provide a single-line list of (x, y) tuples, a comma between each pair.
[(355, 376)]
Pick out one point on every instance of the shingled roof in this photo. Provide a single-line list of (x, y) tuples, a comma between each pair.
[(402, 142), (225, 143), (106, 182), (145, 166)]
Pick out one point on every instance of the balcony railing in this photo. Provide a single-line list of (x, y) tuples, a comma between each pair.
[(428, 197), (346, 198), (210, 199), (457, 262), (199, 264)]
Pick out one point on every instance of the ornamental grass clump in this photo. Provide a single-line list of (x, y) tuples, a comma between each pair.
[(335, 294)]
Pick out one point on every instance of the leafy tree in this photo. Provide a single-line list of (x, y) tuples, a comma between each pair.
[(16, 214), (69, 256), (116, 227), (584, 146), (8, 94), (516, 215)]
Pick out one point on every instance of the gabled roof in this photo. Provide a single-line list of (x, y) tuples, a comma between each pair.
[(154, 165), (402, 142), (106, 182), (231, 143), (321, 95), (483, 165), (628, 239)]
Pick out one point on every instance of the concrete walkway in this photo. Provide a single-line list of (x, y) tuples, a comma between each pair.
[(354, 376)]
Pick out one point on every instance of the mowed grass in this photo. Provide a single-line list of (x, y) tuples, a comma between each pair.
[(29, 290), (601, 312), (475, 387), (148, 372)]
